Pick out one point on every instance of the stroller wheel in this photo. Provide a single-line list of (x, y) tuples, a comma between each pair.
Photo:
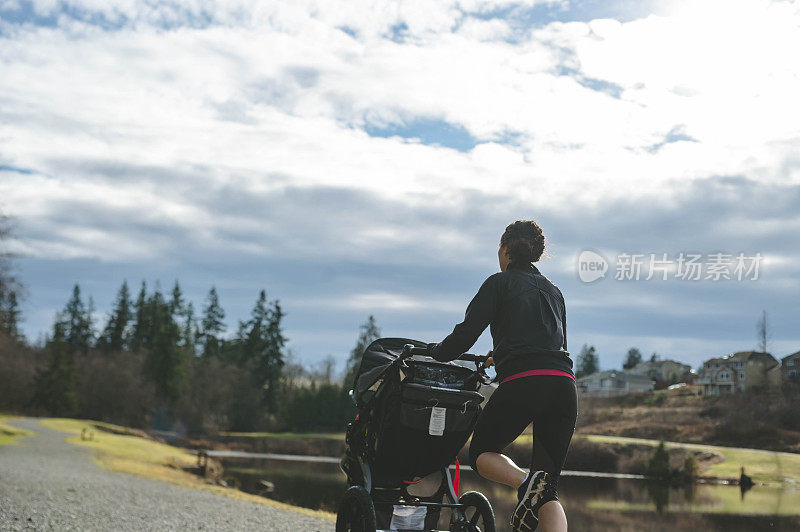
[(478, 515), (356, 511)]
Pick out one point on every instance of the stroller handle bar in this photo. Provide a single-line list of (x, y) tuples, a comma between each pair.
[(410, 350), (469, 357)]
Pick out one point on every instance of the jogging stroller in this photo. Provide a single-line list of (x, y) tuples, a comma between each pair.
[(414, 415)]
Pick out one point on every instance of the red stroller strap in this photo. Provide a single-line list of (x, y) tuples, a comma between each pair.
[(457, 477)]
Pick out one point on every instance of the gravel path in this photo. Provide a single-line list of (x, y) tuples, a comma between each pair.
[(46, 483)]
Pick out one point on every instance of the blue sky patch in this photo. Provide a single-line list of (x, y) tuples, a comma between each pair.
[(676, 134), (428, 131), (16, 169)]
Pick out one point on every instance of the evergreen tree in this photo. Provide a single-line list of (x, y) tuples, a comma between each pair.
[(213, 325), (116, 331), (368, 333), (77, 323), (633, 357), (588, 361), (54, 383), (140, 322), (253, 335), (165, 356), (10, 287), (271, 360), (189, 332), (10, 315), (177, 305)]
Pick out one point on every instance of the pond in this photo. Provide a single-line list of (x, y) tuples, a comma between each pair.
[(592, 504)]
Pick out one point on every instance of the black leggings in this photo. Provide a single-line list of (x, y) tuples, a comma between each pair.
[(550, 402)]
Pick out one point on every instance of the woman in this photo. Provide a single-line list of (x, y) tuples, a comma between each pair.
[(529, 332)]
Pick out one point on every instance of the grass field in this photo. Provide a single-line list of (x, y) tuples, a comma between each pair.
[(718, 500), (762, 466), (10, 434), (134, 455)]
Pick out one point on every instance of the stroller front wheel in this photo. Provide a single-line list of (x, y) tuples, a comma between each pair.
[(477, 516), (356, 512)]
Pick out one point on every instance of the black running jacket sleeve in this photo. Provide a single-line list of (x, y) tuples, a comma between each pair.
[(480, 312)]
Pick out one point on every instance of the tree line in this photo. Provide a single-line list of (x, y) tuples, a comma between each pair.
[(156, 362)]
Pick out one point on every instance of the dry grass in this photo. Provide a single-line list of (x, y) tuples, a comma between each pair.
[(10, 434), (123, 453)]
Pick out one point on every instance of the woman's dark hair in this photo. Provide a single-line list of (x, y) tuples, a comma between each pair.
[(524, 241)]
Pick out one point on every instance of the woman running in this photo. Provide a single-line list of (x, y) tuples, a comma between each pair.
[(527, 316)]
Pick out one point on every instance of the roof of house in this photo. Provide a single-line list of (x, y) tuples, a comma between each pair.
[(659, 363), (744, 356), (793, 355)]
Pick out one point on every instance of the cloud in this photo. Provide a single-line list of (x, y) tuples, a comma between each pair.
[(247, 142)]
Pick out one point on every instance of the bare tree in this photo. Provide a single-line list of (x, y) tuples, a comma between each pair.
[(327, 368), (763, 332)]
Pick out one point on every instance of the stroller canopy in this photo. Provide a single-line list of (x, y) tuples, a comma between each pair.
[(377, 356)]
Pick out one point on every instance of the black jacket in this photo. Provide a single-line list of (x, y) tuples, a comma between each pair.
[(528, 322)]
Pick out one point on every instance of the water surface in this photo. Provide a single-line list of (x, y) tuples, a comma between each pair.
[(592, 504)]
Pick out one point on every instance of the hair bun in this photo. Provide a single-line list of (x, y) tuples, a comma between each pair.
[(524, 241)]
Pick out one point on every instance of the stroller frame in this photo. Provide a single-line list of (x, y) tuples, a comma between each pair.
[(357, 508)]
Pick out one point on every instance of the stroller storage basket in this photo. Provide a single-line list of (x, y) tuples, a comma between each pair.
[(406, 447)]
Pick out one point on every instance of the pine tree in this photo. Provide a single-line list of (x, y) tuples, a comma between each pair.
[(213, 325), (54, 383), (165, 356), (189, 332), (369, 332), (10, 315), (77, 323), (116, 332), (270, 362), (253, 335), (177, 305), (140, 322), (10, 287)]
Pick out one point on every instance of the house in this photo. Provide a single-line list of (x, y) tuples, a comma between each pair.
[(664, 372), (738, 372), (613, 382), (790, 367)]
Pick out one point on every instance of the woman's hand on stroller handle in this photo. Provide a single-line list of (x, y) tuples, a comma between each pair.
[(481, 361), (410, 350)]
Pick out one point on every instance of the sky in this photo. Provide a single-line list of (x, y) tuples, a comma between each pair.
[(363, 157)]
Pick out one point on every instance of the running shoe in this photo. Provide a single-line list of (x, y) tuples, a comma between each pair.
[(530, 499)]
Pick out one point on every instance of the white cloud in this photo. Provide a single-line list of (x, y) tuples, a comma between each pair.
[(385, 301), (175, 128)]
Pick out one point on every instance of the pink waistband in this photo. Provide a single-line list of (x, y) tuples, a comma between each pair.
[(529, 373)]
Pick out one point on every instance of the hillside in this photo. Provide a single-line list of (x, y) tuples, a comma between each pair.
[(756, 420)]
